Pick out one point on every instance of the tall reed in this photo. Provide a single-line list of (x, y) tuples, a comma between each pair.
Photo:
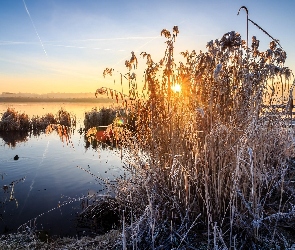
[(210, 163)]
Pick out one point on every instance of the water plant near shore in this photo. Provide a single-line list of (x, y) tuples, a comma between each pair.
[(40, 123), (102, 117), (13, 121), (17, 127), (210, 163)]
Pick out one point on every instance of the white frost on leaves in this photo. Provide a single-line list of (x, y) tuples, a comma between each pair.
[(217, 71), (201, 112)]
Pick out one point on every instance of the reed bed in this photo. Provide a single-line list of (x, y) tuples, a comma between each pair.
[(102, 117), (109, 116), (106, 126), (211, 165), (12, 120)]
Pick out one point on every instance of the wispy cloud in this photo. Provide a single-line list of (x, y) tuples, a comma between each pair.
[(109, 39), (70, 46), (53, 43), (150, 38), (14, 43)]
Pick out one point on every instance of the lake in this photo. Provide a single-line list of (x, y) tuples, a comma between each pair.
[(45, 186)]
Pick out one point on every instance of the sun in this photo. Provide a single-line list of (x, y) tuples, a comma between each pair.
[(176, 88)]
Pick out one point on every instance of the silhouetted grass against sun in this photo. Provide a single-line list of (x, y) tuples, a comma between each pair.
[(211, 156)]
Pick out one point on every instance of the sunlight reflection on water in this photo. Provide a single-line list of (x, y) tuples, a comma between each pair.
[(46, 173)]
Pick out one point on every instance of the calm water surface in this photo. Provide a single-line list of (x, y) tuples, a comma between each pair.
[(48, 172)]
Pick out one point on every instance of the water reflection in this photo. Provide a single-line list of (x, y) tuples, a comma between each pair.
[(57, 178), (98, 137), (93, 138), (64, 132), (16, 126), (11, 138)]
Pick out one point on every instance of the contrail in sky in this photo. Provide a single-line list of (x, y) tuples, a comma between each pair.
[(34, 26)]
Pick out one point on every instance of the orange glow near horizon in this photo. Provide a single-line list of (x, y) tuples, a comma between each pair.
[(47, 84)]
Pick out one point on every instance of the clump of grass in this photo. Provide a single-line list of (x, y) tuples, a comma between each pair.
[(41, 122), (102, 117), (105, 127), (99, 214), (17, 127), (211, 163), (14, 121), (65, 118)]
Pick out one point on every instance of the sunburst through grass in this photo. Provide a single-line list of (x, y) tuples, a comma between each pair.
[(176, 88), (210, 153)]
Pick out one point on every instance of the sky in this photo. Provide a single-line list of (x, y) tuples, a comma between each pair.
[(64, 45)]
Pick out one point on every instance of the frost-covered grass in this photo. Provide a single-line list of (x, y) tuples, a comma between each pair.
[(107, 116), (102, 117), (211, 165), (105, 126), (40, 242), (12, 120)]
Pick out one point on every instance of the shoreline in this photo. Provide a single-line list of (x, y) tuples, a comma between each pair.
[(73, 100)]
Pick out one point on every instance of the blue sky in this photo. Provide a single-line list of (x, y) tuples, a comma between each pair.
[(64, 45)]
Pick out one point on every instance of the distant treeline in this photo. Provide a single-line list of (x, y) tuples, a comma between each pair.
[(38, 99)]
